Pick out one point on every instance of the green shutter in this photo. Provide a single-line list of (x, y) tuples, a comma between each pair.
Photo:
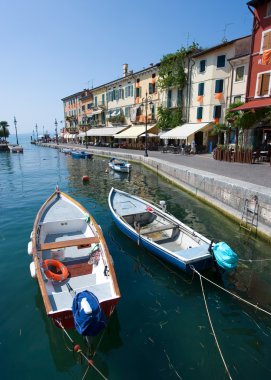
[(199, 112), (150, 88)]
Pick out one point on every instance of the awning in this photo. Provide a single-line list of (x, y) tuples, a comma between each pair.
[(106, 131), (95, 113), (185, 130), (254, 104), (134, 132)]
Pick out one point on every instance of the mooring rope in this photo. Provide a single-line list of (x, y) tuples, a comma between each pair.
[(253, 261), (232, 294), (211, 324), (77, 348)]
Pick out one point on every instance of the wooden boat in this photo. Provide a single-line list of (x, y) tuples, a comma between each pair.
[(81, 154), (70, 259), (119, 165), (160, 232), (15, 148)]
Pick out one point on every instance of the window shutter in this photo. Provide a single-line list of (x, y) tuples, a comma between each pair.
[(221, 61), (201, 89), (150, 88), (199, 112), (140, 91), (267, 41), (265, 84), (202, 65), (217, 112), (259, 85), (218, 86), (132, 90)]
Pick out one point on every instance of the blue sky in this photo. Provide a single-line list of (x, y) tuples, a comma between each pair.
[(51, 49)]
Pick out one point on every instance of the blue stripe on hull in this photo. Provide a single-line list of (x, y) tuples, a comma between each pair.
[(198, 265)]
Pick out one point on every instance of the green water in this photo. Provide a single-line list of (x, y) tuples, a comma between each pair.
[(160, 329)]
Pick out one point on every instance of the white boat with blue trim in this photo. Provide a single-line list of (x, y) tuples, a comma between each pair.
[(164, 235), (119, 165)]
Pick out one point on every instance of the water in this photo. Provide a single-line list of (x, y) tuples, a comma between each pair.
[(160, 329)]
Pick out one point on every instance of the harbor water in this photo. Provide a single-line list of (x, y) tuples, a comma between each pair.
[(160, 328)]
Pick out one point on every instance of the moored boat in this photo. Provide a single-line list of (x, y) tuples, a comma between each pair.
[(119, 165), (73, 266), (15, 148), (66, 150), (81, 154), (164, 235)]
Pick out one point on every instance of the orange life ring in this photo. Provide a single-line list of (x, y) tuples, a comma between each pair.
[(59, 266)]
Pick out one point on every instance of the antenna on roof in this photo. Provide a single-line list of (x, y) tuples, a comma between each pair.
[(224, 38)]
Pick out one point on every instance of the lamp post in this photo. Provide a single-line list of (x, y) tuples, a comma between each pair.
[(85, 122), (15, 123), (37, 131), (56, 132), (145, 102)]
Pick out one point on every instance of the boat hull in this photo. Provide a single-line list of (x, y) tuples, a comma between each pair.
[(159, 252), (147, 224), (66, 319)]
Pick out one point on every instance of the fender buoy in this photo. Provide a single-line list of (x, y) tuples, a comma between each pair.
[(63, 275), (85, 178)]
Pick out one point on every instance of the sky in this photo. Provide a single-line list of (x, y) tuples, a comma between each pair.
[(51, 49)]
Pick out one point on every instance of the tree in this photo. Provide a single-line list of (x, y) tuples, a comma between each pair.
[(4, 132), (172, 74)]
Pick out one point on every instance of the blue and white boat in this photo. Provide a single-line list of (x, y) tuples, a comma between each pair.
[(166, 236), (119, 165), (81, 154)]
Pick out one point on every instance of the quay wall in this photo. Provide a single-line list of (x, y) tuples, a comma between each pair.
[(226, 194)]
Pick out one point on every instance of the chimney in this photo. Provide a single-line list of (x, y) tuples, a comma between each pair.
[(151, 64), (125, 69), (131, 72)]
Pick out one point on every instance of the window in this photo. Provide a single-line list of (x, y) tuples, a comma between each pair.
[(237, 98), (83, 108), (199, 112), (127, 111), (268, 9), (221, 59), (239, 74), (169, 101), (219, 86), (95, 101), (128, 91), (217, 112), (89, 106), (138, 92), (103, 99), (202, 66), (266, 40), (151, 88), (263, 84), (179, 97), (201, 89)]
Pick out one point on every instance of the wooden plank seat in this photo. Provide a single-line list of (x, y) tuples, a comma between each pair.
[(153, 229), (80, 243)]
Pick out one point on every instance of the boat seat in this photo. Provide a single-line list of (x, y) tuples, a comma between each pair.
[(80, 243), (157, 229)]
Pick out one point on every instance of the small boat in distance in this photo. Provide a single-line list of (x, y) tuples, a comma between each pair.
[(14, 148), (119, 165), (66, 150), (163, 234), (81, 154), (73, 266)]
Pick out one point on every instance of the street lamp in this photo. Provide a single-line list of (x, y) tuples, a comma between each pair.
[(37, 131), (145, 102), (15, 123), (56, 132), (85, 122)]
